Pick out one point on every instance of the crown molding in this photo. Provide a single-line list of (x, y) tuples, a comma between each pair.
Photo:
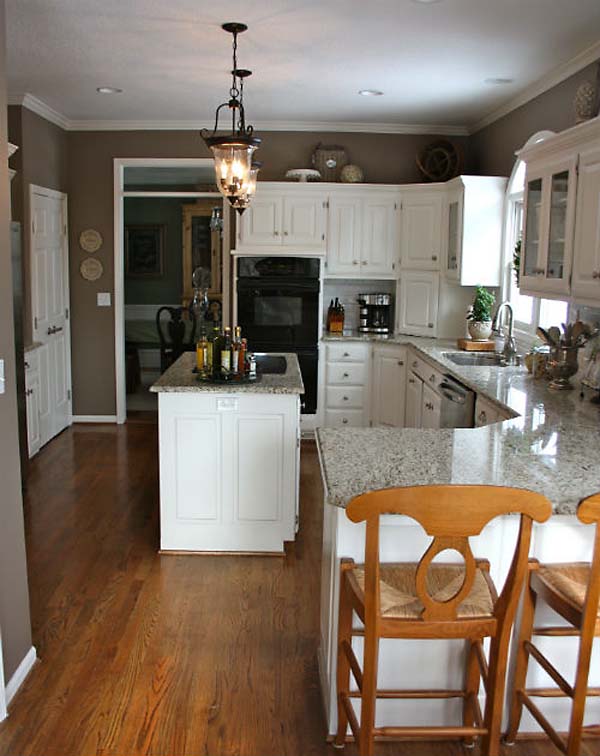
[(261, 126), (36, 105), (551, 79)]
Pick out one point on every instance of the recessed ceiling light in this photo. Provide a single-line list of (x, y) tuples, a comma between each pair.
[(498, 80), (370, 92), (108, 90)]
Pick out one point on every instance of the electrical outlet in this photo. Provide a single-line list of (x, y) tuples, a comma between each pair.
[(103, 299)]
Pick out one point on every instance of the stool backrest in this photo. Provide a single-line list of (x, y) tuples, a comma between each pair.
[(451, 514), (588, 512)]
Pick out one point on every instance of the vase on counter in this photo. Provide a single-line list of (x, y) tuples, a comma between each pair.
[(480, 330)]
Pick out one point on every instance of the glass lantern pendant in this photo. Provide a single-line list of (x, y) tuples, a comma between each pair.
[(235, 175)]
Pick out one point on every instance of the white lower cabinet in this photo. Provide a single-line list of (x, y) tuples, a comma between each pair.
[(431, 408), (417, 303), (346, 384), (414, 399), (228, 471), (487, 413), (388, 387), (32, 402)]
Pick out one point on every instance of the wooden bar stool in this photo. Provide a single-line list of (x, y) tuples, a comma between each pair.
[(432, 601), (571, 590)]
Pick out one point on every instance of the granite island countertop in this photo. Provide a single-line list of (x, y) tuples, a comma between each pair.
[(179, 378), (552, 445)]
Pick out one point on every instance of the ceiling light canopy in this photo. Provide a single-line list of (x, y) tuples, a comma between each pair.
[(370, 92), (108, 90), (236, 173)]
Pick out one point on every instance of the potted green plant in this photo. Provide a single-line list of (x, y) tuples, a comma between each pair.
[(480, 314)]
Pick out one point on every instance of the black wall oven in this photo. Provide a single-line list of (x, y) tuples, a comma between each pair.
[(278, 310)]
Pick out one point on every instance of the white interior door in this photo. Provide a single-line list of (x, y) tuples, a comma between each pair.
[(50, 307)]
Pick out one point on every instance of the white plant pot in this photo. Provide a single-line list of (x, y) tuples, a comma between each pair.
[(480, 330)]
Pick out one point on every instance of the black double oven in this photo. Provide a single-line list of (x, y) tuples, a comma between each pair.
[(278, 310)]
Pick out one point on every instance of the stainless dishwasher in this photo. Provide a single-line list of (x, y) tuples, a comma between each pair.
[(458, 404)]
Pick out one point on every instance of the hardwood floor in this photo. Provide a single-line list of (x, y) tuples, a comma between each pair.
[(165, 655)]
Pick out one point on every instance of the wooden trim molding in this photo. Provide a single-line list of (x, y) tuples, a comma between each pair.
[(20, 674)]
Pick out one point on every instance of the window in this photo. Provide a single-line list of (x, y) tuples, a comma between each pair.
[(529, 312)]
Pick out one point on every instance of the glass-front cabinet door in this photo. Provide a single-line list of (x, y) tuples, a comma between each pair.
[(547, 249), (454, 229)]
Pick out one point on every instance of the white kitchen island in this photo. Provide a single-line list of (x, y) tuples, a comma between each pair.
[(229, 460)]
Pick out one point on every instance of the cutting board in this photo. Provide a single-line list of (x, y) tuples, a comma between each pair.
[(475, 346)]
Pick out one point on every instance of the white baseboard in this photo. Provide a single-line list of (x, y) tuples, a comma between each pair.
[(94, 418), (20, 674)]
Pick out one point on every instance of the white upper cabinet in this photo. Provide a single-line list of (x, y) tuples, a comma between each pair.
[(547, 250), (380, 234), (472, 230), (421, 230), (560, 255), (291, 219), (345, 235), (363, 232), (417, 303), (585, 285)]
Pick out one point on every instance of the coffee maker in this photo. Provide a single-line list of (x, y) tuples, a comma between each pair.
[(375, 313)]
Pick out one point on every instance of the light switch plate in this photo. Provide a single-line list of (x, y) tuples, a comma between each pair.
[(103, 299)]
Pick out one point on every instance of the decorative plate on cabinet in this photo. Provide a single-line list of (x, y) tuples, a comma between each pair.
[(90, 240), (91, 269)]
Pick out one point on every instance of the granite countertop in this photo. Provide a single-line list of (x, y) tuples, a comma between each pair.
[(179, 378), (551, 446)]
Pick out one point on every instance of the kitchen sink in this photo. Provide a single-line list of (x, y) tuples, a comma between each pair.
[(475, 359)]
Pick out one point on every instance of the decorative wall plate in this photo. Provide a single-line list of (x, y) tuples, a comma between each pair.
[(90, 240), (91, 269)]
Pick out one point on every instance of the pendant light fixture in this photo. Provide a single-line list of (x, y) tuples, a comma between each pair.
[(234, 168)]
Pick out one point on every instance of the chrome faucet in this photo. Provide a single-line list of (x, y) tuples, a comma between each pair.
[(509, 353)]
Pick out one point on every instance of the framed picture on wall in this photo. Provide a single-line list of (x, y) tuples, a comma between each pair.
[(144, 251)]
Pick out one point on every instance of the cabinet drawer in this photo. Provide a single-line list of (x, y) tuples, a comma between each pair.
[(344, 396), (351, 373), (344, 418), (428, 374), (347, 352)]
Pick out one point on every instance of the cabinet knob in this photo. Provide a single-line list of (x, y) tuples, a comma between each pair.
[(275, 233), (429, 325), (285, 233), (432, 378), (482, 417), (415, 364), (346, 354), (354, 262), (346, 375), (595, 274), (434, 257), (345, 420), (364, 262), (26, 365), (345, 398), (411, 380), (400, 363)]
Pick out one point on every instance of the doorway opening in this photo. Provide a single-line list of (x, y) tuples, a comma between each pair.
[(172, 233)]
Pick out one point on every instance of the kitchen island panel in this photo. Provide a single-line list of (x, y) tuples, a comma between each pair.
[(228, 471)]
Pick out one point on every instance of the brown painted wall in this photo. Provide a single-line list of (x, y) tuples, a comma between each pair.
[(492, 149), (41, 160), (385, 158), (14, 596)]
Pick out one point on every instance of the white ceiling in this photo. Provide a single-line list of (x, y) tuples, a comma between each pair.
[(309, 57)]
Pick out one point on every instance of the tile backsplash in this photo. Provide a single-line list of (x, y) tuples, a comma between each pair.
[(347, 292)]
